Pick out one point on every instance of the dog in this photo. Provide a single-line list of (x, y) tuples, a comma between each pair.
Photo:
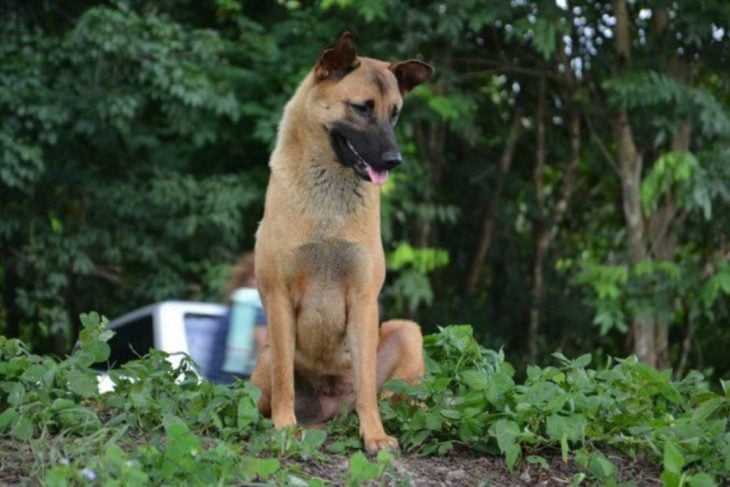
[(319, 254)]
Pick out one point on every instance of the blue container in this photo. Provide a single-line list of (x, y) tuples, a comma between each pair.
[(240, 356)]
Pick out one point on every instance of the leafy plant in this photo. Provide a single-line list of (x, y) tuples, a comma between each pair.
[(469, 398), (162, 424)]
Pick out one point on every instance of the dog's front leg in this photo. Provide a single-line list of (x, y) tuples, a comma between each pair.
[(282, 342), (362, 334)]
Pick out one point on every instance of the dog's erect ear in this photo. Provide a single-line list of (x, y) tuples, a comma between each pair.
[(338, 60), (411, 73)]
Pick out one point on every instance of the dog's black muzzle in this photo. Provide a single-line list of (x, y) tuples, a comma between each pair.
[(391, 159), (370, 153)]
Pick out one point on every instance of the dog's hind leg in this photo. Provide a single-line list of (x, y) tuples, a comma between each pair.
[(261, 378), (400, 352)]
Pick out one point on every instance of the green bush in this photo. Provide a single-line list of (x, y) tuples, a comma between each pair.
[(162, 425)]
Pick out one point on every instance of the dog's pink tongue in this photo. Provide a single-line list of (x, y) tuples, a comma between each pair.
[(377, 177)]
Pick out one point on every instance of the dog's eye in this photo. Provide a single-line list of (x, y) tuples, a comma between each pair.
[(365, 108)]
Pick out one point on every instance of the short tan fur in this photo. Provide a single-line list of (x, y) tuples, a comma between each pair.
[(319, 254)]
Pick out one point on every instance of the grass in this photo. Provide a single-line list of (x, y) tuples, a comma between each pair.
[(161, 425)]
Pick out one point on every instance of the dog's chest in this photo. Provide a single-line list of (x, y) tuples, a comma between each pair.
[(329, 261), (324, 273), (333, 196)]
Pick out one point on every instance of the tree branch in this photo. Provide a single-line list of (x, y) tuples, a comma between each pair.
[(490, 212)]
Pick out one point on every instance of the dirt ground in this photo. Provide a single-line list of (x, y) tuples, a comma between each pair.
[(464, 468), (459, 468)]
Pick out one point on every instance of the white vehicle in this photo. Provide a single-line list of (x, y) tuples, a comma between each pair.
[(170, 326), (216, 338)]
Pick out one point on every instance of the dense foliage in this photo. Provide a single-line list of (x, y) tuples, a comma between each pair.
[(567, 183), (160, 425)]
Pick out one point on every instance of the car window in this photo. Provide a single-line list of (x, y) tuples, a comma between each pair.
[(200, 332), (131, 341)]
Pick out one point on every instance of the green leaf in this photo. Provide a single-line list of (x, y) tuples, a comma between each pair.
[(582, 361), (7, 417), (61, 404), (506, 433), (23, 429), (266, 467), (577, 479), (34, 373), (673, 460), (701, 480), (83, 384), (498, 386), (433, 422), (181, 446), (601, 467), (538, 460), (99, 350), (247, 413), (16, 393), (384, 457), (544, 38), (474, 379), (90, 320), (564, 448), (671, 479), (706, 409), (361, 470), (572, 427), (341, 445), (511, 454), (58, 476), (561, 358), (450, 414), (672, 169), (314, 438)]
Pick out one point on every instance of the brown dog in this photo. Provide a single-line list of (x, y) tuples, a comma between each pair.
[(319, 254)]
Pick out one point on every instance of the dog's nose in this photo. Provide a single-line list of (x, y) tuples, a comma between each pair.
[(392, 159)]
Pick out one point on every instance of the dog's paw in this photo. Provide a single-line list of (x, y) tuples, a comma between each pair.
[(385, 442), (284, 420)]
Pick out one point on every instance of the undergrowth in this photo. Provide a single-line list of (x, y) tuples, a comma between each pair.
[(161, 425)]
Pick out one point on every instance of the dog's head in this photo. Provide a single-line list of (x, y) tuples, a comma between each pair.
[(358, 100)]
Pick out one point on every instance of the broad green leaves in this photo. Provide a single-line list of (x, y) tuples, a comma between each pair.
[(659, 291), (717, 286), (362, 470), (469, 398), (199, 433), (117, 133), (658, 91), (679, 176), (413, 265), (542, 34), (423, 260)]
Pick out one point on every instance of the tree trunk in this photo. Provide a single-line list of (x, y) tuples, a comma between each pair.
[(663, 241), (431, 146), (59, 344), (72, 310), (573, 117), (630, 167), (566, 189), (10, 283), (539, 227), (686, 348), (490, 213)]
